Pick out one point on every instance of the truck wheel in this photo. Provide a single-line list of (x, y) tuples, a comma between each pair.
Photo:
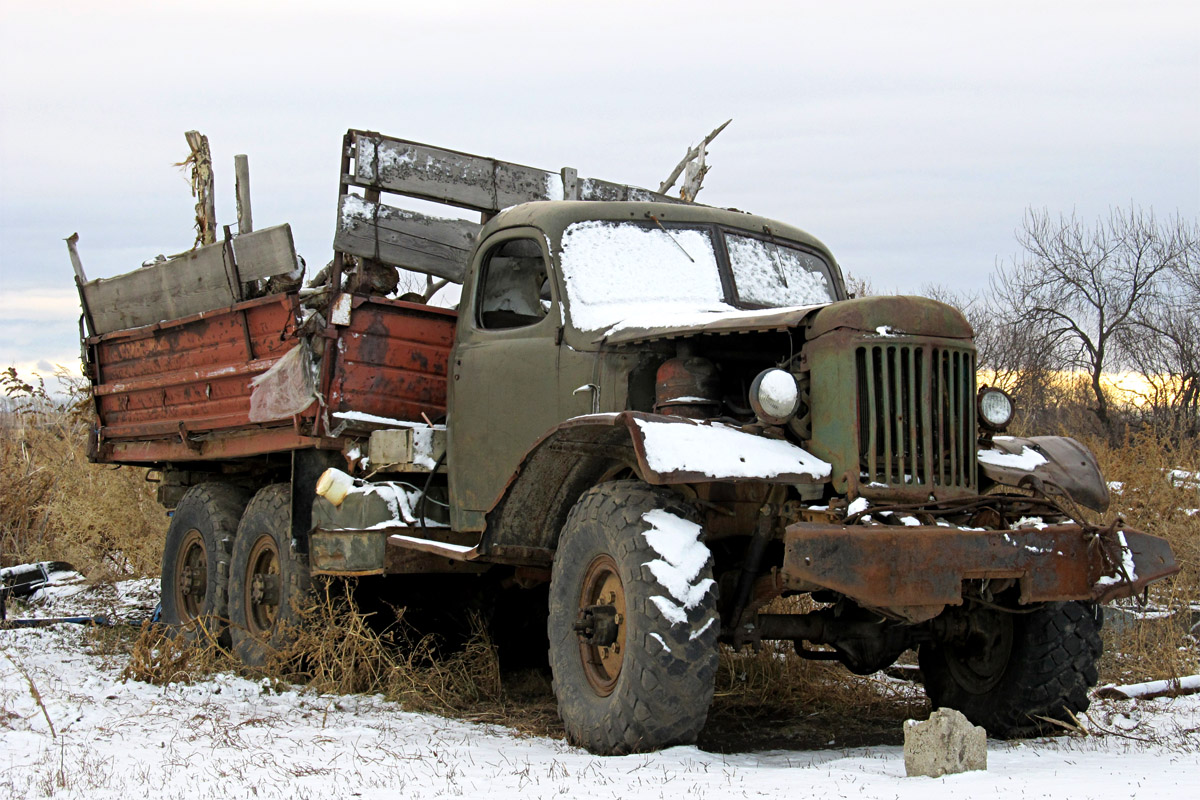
[(633, 621), (1007, 670), (196, 560), (268, 580)]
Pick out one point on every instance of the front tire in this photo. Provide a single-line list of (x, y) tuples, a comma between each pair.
[(633, 621), (196, 560), (1010, 670), (268, 580)]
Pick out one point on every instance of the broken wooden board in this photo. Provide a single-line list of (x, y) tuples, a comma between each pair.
[(198, 280), (401, 238), (264, 253)]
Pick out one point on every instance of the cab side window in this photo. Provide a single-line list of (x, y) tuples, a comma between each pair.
[(514, 288)]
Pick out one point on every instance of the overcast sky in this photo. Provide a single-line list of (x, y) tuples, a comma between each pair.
[(909, 137)]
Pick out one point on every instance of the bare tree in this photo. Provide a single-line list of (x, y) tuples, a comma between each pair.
[(1164, 344), (1009, 355), (1082, 290)]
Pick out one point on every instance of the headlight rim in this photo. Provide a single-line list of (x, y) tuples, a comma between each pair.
[(765, 414), (984, 421)]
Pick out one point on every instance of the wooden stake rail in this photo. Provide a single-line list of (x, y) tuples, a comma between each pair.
[(377, 164)]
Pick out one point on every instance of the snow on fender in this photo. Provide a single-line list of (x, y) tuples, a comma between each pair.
[(676, 449)]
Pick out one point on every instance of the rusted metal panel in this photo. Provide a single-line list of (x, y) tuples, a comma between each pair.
[(180, 390), (233, 444), (393, 360), (346, 552), (1068, 468), (889, 567), (192, 372), (911, 316)]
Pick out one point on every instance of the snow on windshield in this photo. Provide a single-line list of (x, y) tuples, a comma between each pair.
[(622, 274), (771, 274), (614, 270)]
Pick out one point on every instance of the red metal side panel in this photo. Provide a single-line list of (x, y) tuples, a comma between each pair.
[(393, 360), (191, 374)]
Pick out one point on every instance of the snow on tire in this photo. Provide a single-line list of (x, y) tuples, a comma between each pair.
[(633, 623)]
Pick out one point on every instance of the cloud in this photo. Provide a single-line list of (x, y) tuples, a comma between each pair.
[(39, 305), (910, 138)]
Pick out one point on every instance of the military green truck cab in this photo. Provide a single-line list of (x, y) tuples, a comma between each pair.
[(659, 417), (680, 411)]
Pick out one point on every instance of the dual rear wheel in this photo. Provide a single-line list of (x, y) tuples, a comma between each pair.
[(230, 574)]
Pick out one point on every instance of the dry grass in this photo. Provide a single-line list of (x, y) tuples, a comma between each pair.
[(161, 657), (338, 649), (1155, 648), (55, 506)]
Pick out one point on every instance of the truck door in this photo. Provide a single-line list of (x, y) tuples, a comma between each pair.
[(503, 392)]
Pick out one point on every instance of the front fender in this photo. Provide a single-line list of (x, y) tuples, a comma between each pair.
[(1048, 464), (671, 450), (661, 450)]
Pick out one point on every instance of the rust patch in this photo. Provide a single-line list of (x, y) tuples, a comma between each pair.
[(888, 567)]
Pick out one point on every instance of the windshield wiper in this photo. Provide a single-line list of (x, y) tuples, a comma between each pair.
[(672, 238), (775, 256)]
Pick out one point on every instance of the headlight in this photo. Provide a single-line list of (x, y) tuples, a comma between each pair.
[(774, 396), (995, 408)]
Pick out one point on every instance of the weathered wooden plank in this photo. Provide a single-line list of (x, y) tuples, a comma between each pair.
[(475, 182), (241, 188), (402, 238), (188, 284), (264, 253), (447, 176), (596, 189), (76, 263)]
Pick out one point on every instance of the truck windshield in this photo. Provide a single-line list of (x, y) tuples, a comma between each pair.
[(769, 273), (629, 272)]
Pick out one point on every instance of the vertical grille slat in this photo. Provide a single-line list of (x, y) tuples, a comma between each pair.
[(951, 417), (885, 409), (916, 416)]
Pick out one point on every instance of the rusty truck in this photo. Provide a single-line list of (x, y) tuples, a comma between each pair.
[(656, 416)]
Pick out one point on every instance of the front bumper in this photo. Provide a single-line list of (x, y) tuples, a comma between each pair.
[(916, 570)]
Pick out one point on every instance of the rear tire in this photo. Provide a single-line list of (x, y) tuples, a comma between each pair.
[(268, 580), (652, 685), (1015, 668), (196, 560)]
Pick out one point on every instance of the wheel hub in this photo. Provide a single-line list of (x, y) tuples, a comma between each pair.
[(979, 656), (600, 624), (191, 576), (262, 579)]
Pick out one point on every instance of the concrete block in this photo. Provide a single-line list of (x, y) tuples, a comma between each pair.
[(944, 744)]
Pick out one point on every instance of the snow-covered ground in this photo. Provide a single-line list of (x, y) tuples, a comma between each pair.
[(229, 737)]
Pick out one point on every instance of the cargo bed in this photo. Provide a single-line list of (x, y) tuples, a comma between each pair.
[(184, 390)]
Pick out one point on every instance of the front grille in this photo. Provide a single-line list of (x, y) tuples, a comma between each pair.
[(916, 410)]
